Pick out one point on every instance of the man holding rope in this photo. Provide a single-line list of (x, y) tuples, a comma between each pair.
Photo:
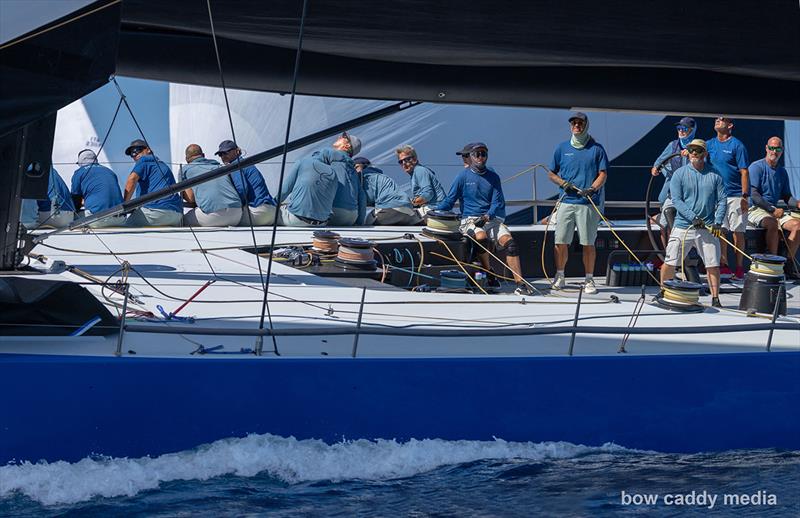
[(698, 193), (579, 166)]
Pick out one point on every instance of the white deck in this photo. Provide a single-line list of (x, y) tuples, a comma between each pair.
[(170, 260)]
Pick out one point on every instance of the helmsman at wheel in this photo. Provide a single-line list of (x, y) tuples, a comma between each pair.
[(698, 193)]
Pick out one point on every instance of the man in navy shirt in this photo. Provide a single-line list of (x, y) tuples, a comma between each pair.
[(483, 210), (151, 174), (252, 188), (579, 167), (729, 156), (96, 187), (769, 185)]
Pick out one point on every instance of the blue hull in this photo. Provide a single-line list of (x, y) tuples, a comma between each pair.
[(65, 408)]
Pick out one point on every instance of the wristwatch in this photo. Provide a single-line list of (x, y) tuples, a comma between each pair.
[(745, 195)]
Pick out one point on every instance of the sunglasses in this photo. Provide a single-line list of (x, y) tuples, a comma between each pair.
[(136, 151), (777, 149), (723, 119), (407, 159), (684, 128), (577, 122), (479, 154), (696, 151)]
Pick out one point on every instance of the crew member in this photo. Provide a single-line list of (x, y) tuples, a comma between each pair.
[(426, 191), (483, 209), (216, 202), (391, 205), (769, 184), (579, 167), (687, 128), (349, 204), (57, 210), (252, 189), (96, 187), (151, 174), (729, 156), (698, 193), (464, 153), (306, 197)]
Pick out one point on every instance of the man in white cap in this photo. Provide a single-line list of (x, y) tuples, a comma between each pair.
[(350, 202), (96, 187), (699, 196), (579, 166), (217, 203)]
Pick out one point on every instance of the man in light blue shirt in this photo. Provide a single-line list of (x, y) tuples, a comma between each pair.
[(57, 210), (769, 185), (96, 187), (258, 206), (729, 157), (349, 204), (306, 197), (391, 205), (426, 190), (579, 166), (217, 204), (699, 197), (151, 174)]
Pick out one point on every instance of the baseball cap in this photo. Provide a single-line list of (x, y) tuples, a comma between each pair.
[(688, 122), (360, 160), (225, 146), (138, 143), (578, 115)]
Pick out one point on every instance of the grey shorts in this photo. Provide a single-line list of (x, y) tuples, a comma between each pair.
[(682, 240), (582, 217), (145, 217)]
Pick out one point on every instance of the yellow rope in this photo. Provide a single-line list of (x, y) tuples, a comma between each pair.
[(460, 266), (502, 262)]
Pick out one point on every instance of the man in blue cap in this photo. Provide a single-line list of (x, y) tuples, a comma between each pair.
[(426, 190), (258, 207), (699, 197), (391, 205), (579, 166), (151, 174), (483, 209), (216, 202), (729, 157), (96, 187), (687, 128)]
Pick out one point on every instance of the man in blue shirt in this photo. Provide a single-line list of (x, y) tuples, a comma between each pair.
[(391, 205), (579, 166), (151, 174), (252, 189), (483, 209), (729, 156), (349, 204), (306, 197), (769, 185), (426, 191), (699, 197), (96, 188), (687, 128), (57, 210), (217, 203)]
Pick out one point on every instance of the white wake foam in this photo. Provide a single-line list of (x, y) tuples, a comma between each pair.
[(288, 459)]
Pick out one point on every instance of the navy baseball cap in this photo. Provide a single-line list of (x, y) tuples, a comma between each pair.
[(136, 144), (688, 122), (578, 115), (225, 146), (472, 146), (360, 160)]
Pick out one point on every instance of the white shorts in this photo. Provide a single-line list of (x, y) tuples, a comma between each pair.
[(735, 219), (756, 215), (701, 239), (222, 218), (494, 228), (261, 216)]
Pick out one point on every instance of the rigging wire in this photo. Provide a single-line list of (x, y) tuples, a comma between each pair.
[(298, 53)]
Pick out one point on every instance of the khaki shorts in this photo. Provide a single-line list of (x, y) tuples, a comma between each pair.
[(701, 239), (735, 220), (494, 228), (570, 216), (756, 215)]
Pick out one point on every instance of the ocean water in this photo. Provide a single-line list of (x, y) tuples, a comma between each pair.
[(266, 475)]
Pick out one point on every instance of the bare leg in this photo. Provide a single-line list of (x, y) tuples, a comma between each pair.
[(738, 240), (770, 224), (723, 253), (793, 239), (483, 256), (668, 272), (712, 274), (562, 253), (589, 255), (513, 261)]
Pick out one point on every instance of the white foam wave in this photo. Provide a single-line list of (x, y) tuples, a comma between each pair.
[(288, 459)]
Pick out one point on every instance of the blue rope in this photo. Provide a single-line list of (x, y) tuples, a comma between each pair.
[(85, 327), (172, 316)]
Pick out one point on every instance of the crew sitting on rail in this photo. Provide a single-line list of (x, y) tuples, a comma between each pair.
[(483, 209), (687, 128), (151, 174), (252, 189), (391, 205), (216, 202), (349, 204), (426, 190), (729, 157), (579, 166), (698, 193), (96, 187), (306, 198), (57, 210), (769, 184)]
